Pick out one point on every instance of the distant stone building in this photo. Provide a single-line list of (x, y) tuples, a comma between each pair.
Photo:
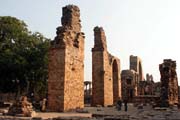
[(169, 83), (146, 87), (136, 65), (66, 63), (129, 83), (157, 88), (106, 86), (131, 79)]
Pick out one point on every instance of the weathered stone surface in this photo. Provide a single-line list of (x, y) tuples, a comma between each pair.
[(169, 83), (134, 86), (129, 84), (22, 107), (146, 87), (136, 65), (106, 84), (66, 64), (87, 92), (131, 79)]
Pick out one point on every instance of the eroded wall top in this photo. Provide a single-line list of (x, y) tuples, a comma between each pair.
[(71, 18), (69, 33), (99, 39)]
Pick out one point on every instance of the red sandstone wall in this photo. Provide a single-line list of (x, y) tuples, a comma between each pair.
[(97, 78), (55, 80)]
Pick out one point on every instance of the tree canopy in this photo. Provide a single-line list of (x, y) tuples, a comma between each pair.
[(23, 57)]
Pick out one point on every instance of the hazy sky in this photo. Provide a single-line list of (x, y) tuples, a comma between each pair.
[(149, 29)]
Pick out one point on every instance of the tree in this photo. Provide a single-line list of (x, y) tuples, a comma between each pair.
[(23, 57)]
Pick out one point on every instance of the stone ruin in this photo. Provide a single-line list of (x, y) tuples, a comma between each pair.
[(136, 65), (129, 84), (66, 64), (169, 83), (146, 87), (22, 108), (66, 70), (106, 84), (131, 79)]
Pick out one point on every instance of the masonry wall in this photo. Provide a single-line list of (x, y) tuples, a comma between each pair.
[(117, 81), (74, 77), (98, 78), (169, 83), (56, 79), (136, 65), (127, 87), (102, 72), (108, 81), (66, 64)]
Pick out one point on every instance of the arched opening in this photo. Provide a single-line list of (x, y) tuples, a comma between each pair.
[(115, 81)]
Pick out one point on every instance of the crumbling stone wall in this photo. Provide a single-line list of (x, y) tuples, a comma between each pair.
[(129, 84), (66, 63), (131, 79), (106, 88), (136, 65), (169, 83), (149, 85)]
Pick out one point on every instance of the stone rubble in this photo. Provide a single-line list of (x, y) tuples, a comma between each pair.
[(22, 108)]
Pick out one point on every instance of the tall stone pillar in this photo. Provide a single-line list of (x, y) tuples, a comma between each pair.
[(106, 87), (66, 63), (169, 83)]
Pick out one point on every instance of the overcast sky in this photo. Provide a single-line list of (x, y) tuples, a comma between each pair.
[(149, 29)]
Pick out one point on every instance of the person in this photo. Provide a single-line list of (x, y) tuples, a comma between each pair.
[(43, 105), (125, 105), (119, 104)]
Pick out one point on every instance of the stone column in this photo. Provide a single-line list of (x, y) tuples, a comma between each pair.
[(66, 64)]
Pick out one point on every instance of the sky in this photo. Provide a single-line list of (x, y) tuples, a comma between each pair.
[(149, 29)]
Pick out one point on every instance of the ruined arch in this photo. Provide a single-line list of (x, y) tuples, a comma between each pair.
[(105, 68), (136, 65)]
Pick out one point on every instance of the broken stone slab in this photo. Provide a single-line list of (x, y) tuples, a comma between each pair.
[(99, 109), (98, 105), (81, 111), (22, 108), (4, 105), (161, 108), (36, 118), (110, 106), (71, 118)]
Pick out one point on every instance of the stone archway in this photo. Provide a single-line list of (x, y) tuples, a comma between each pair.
[(115, 81), (136, 65), (105, 68)]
